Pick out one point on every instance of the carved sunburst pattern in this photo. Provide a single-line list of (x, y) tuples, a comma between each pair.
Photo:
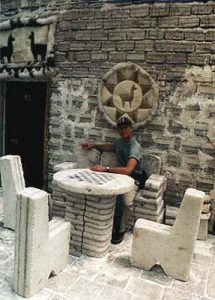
[(127, 90)]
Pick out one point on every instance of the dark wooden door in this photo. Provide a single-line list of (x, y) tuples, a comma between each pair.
[(25, 110)]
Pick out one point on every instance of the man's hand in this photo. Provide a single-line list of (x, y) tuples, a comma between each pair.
[(88, 145), (127, 170), (98, 168)]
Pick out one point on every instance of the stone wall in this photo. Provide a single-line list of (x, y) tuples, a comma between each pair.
[(173, 42)]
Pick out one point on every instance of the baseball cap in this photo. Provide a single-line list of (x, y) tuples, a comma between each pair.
[(123, 121)]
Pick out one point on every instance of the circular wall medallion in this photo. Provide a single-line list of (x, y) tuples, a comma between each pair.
[(128, 90)]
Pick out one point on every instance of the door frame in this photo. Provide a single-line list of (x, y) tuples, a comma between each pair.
[(45, 129)]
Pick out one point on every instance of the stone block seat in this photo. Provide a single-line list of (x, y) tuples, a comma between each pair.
[(170, 247), (148, 204), (41, 246)]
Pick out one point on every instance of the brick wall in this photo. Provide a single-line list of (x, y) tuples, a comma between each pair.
[(174, 43)]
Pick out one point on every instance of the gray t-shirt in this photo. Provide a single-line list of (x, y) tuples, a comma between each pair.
[(125, 150)]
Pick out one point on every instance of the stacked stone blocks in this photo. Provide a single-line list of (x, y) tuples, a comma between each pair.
[(92, 220), (149, 203), (58, 202)]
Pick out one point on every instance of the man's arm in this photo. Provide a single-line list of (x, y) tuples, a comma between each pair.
[(127, 170), (100, 147)]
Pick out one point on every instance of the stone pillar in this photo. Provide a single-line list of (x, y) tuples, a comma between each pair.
[(58, 202), (149, 202), (91, 218)]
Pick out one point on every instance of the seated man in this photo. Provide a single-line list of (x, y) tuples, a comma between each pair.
[(128, 152)]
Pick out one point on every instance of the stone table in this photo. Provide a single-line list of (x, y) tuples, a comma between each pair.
[(90, 202)]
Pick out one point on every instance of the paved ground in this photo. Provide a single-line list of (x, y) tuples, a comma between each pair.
[(112, 278)]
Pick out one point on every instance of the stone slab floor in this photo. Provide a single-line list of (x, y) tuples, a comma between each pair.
[(112, 278)]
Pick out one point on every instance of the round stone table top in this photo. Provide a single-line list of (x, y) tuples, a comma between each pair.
[(85, 181)]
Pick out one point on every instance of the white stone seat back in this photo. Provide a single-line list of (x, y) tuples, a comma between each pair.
[(108, 159), (92, 157), (190, 209), (13, 182), (151, 164), (86, 158)]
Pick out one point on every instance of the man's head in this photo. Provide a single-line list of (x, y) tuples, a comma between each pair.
[(124, 127)]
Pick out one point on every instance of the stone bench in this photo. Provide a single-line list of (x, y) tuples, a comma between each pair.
[(41, 247), (171, 247)]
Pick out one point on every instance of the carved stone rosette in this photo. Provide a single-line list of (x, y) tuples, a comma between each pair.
[(128, 90)]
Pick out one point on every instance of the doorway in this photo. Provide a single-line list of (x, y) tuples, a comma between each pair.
[(25, 128)]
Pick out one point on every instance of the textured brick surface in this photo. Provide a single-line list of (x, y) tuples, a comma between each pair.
[(174, 43)]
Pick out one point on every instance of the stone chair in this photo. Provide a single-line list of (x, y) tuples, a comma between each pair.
[(41, 247), (148, 203), (13, 182), (170, 247)]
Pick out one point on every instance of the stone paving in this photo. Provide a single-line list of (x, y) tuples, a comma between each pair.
[(112, 277)]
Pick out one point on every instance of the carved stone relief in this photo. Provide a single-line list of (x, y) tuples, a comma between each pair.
[(128, 90), (27, 47)]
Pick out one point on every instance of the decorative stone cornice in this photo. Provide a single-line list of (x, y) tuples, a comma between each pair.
[(24, 72), (24, 21)]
